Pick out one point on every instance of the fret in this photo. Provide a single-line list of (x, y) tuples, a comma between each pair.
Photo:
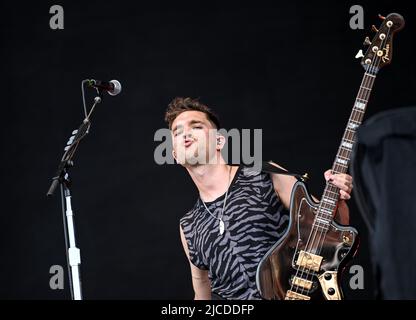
[(355, 122), (343, 158), (349, 135), (342, 168), (339, 170), (344, 150), (328, 201), (345, 147), (324, 215), (326, 206), (315, 225), (356, 117), (332, 192), (348, 140), (363, 94), (331, 188), (365, 88), (335, 199), (320, 220), (358, 110), (365, 101), (344, 153), (370, 75)]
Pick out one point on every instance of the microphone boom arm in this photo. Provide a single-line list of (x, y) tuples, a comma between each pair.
[(74, 140)]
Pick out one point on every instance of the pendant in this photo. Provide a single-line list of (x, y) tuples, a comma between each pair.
[(222, 227)]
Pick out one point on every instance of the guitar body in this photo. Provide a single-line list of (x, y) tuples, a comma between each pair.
[(277, 272)]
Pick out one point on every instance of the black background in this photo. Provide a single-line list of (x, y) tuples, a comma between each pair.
[(287, 68)]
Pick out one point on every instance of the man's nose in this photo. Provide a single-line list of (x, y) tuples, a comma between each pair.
[(187, 134)]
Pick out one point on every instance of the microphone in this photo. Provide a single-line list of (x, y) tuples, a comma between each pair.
[(113, 87)]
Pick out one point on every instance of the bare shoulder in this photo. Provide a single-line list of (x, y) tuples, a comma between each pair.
[(283, 185)]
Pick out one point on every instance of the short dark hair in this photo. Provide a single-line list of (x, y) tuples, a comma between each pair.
[(179, 105)]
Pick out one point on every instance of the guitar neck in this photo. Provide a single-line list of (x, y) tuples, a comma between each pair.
[(330, 196)]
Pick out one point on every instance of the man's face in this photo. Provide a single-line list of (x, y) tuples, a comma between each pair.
[(194, 139)]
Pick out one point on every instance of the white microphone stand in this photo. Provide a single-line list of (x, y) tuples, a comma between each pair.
[(62, 178)]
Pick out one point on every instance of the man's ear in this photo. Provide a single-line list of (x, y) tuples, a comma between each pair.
[(220, 142)]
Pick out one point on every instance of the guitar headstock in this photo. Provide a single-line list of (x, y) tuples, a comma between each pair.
[(379, 52)]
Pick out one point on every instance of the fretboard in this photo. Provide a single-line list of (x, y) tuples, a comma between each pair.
[(330, 197)]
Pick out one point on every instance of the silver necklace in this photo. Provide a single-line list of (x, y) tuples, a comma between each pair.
[(222, 225)]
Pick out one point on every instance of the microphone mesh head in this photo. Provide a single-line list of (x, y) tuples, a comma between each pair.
[(117, 88)]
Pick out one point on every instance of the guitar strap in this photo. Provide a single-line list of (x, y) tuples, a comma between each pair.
[(270, 168)]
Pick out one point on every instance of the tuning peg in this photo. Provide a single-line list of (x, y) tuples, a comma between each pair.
[(70, 141), (359, 54), (367, 41), (373, 27), (381, 17)]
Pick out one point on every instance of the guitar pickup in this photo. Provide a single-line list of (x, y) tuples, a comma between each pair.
[(309, 261), (291, 295), (302, 283)]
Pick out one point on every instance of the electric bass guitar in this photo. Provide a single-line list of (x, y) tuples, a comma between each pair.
[(307, 262)]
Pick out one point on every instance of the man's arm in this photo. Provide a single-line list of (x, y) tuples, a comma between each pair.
[(200, 280), (283, 185)]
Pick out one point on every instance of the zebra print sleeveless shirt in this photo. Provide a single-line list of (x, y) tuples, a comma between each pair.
[(254, 220)]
